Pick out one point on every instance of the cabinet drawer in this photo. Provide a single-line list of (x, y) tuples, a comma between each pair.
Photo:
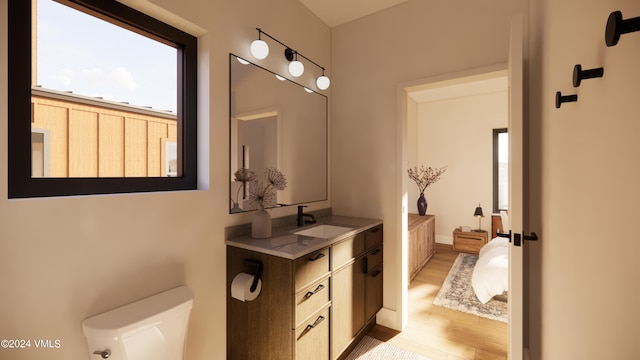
[(373, 236), (468, 241), (310, 268), (312, 338), (345, 251), (311, 300), (374, 257)]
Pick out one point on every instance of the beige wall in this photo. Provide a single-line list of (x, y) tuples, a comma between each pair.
[(372, 58), (65, 259), (584, 184), (458, 133)]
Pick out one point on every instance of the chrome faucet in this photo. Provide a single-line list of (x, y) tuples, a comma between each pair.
[(302, 215)]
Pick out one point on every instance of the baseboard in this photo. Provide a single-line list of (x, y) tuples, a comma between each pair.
[(388, 318)]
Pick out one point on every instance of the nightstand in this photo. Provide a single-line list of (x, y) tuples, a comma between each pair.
[(470, 241)]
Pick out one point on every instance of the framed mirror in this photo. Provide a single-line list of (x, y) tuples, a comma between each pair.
[(275, 123)]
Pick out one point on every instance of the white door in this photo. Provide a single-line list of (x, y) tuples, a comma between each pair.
[(516, 200)]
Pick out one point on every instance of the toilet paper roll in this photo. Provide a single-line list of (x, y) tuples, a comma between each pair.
[(240, 287)]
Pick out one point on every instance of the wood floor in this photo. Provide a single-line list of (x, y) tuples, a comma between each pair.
[(439, 333)]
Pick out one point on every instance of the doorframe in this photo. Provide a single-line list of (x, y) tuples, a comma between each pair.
[(398, 318)]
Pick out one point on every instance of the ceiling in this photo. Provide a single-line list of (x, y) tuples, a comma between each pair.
[(338, 12)]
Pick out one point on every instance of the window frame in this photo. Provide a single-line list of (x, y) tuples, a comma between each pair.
[(496, 169), (20, 182)]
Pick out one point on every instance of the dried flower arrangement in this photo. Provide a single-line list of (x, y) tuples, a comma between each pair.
[(425, 176), (262, 193), (243, 176)]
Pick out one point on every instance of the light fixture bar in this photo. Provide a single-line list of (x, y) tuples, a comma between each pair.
[(288, 47)]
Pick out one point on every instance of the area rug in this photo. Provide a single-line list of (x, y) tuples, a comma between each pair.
[(457, 294), (372, 349)]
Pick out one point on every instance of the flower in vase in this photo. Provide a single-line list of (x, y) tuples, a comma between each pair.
[(425, 176), (262, 193)]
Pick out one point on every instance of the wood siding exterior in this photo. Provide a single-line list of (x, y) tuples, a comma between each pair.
[(95, 138)]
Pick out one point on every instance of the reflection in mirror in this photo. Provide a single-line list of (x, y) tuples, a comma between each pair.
[(275, 124)]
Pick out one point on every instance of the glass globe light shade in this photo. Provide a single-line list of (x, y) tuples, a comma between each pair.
[(242, 61), (259, 49), (308, 90), (323, 82), (296, 68)]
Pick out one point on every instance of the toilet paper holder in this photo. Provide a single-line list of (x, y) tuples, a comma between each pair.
[(256, 267)]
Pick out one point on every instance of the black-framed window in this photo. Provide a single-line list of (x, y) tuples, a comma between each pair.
[(23, 109), (500, 169)]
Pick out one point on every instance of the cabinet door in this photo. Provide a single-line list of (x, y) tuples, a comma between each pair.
[(312, 339), (414, 253), (373, 289), (347, 305)]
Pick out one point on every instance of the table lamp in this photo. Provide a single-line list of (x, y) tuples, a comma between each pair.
[(479, 214)]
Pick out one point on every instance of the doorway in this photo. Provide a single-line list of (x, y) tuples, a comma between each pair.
[(448, 141)]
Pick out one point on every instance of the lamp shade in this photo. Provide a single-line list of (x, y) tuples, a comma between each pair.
[(259, 49), (323, 82), (296, 68), (478, 212)]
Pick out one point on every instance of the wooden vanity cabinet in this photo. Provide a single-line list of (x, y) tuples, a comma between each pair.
[(314, 307)]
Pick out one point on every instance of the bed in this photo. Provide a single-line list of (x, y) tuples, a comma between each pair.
[(490, 276)]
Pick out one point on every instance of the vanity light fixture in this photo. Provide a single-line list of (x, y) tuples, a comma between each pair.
[(280, 77), (308, 90), (323, 82), (296, 68), (260, 50)]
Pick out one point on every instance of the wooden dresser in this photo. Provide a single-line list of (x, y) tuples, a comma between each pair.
[(422, 241)]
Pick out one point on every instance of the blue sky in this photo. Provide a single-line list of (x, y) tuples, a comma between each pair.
[(77, 52)]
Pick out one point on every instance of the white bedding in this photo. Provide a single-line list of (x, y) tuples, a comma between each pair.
[(491, 273)]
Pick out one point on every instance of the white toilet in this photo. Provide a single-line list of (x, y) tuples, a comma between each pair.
[(152, 328)]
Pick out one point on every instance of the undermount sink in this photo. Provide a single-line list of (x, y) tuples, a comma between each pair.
[(324, 231)]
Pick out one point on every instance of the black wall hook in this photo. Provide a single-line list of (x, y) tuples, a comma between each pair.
[(616, 27), (579, 74), (560, 99), (257, 268)]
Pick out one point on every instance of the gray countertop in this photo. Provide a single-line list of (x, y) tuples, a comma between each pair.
[(286, 244)]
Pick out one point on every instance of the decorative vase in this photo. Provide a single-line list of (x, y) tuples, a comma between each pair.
[(422, 205), (261, 225), (235, 208)]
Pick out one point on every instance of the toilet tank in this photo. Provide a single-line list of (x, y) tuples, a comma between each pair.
[(151, 328)]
